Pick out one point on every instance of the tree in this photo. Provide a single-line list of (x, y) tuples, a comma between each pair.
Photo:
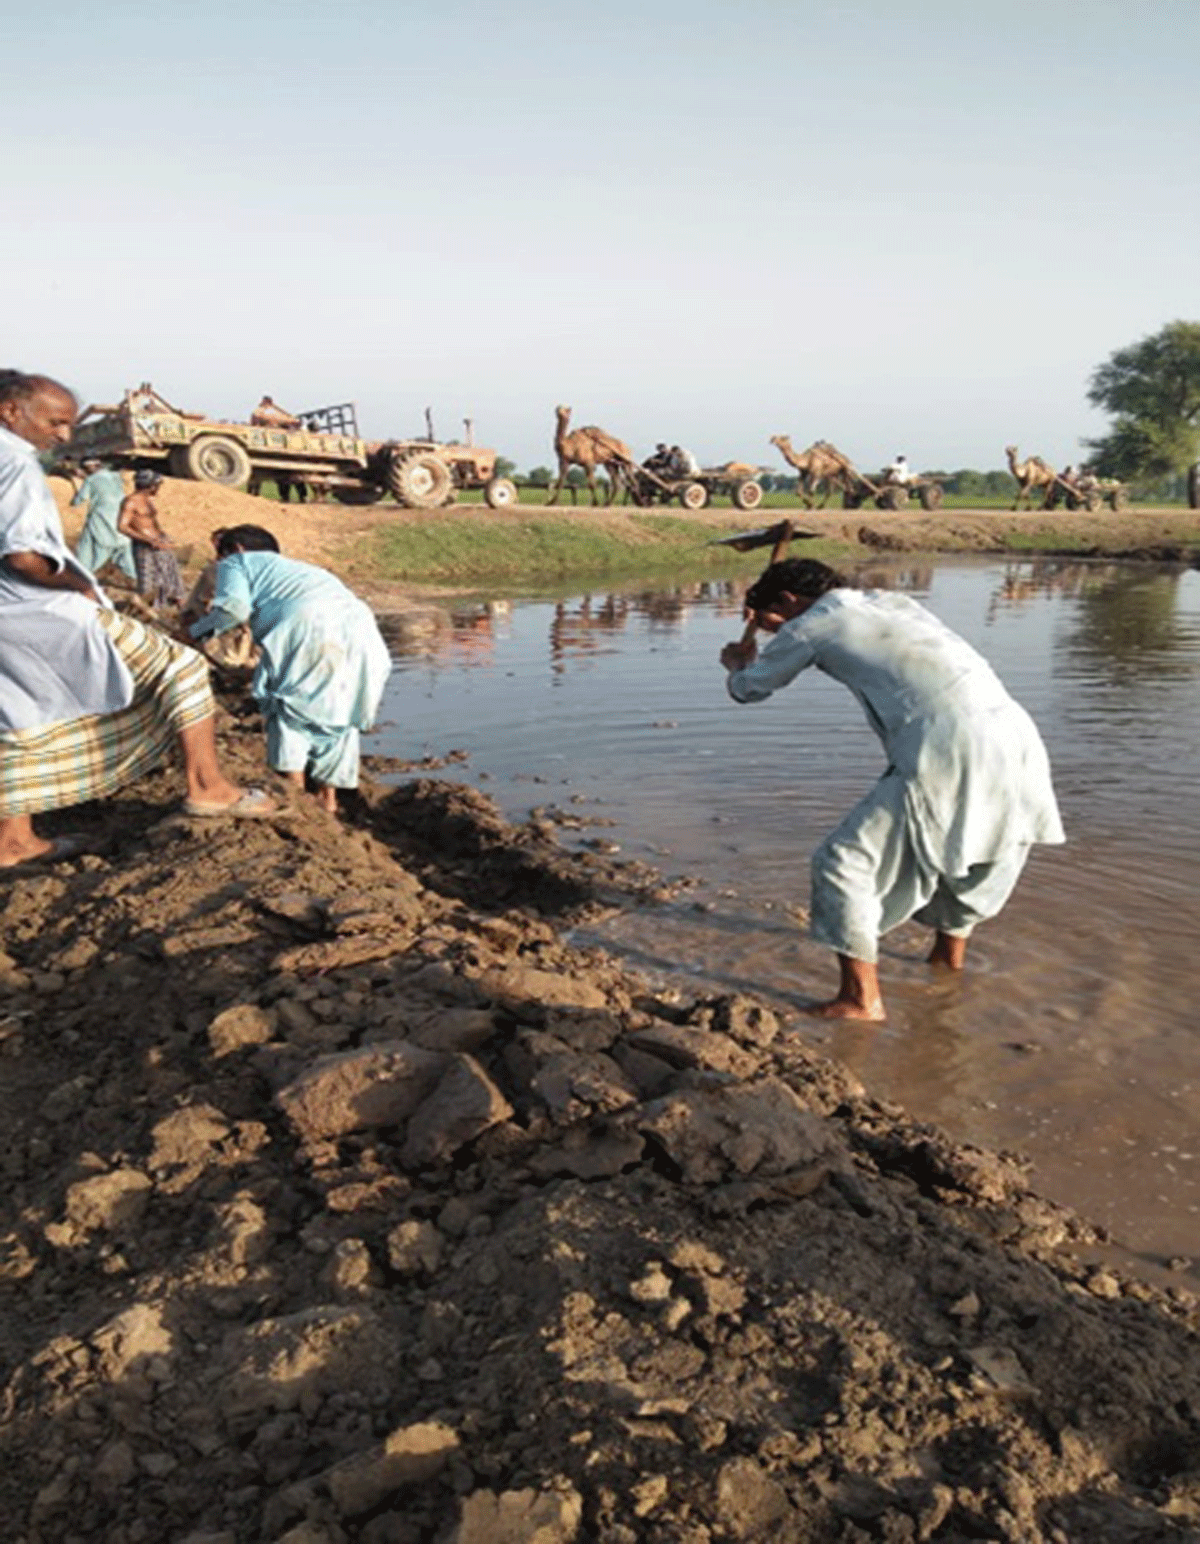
[(505, 467), (539, 476), (1152, 389)]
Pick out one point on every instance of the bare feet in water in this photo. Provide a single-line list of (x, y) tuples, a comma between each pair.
[(859, 996), (948, 951)]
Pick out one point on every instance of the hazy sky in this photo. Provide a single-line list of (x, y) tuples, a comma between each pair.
[(899, 226)]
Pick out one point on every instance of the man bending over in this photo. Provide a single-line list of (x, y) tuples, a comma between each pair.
[(944, 834)]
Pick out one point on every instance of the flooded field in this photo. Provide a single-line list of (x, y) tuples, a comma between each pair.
[(1074, 1035)]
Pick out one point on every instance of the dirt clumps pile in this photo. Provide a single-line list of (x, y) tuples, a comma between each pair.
[(346, 1200)]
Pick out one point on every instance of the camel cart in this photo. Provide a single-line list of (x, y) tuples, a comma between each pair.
[(1087, 492), (858, 489), (739, 482)]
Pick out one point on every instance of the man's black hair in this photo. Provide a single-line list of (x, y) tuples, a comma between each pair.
[(798, 576), (17, 386), (250, 538)]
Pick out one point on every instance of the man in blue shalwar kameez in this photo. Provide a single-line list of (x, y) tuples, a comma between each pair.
[(323, 663), (102, 490), (944, 834)]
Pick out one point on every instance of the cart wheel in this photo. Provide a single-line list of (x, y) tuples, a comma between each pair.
[(693, 495), (893, 497), (748, 494), (1093, 500), (1120, 500), (500, 493), (852, 498), (931, 496), (215, 459)]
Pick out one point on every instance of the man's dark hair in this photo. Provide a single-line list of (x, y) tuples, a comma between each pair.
[(798, 576), (17, 386), (250, 538)]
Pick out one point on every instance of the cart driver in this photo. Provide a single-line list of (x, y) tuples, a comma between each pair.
[(683, 463), (898, 471), (660, 462)]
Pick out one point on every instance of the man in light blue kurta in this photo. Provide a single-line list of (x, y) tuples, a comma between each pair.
[(323, 664), (102, 490), (944, 834)]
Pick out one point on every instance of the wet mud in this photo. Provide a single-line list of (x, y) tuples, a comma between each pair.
[(346, 1200)]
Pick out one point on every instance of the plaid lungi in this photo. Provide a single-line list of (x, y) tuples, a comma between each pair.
[(88, 758), (158, 578)]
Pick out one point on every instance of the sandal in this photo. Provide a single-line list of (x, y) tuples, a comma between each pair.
[(254, 804)]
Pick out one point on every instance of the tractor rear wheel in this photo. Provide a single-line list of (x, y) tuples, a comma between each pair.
[(693, 495), (215, 459), (930, 495), (419, 480), (500, 493), (748, 494)]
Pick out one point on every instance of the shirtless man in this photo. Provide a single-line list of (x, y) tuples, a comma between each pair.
[(158, 576), (269, 415)]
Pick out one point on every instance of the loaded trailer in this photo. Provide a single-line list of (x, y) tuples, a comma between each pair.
[(325, 451)]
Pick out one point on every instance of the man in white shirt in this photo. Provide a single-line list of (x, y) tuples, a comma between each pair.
[(898, 471), (944, 834), (89, 699)]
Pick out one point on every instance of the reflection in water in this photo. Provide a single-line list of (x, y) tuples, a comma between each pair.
[(1072, 1035)]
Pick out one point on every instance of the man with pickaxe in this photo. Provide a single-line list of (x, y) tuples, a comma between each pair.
[(944, 834)]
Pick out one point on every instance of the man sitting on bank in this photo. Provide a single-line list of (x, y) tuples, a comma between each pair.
[(89, 700)]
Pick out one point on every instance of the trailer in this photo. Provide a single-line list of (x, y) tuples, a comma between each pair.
[(324, 450), (1086, 491), (737, 479), (886, 493)]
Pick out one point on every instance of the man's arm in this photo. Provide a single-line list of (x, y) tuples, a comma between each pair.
[(36, 569)]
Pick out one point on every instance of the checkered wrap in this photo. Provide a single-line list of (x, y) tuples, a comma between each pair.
[(88, 758), (158, 578)]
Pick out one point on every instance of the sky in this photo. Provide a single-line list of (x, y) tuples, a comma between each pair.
[(901, 225)]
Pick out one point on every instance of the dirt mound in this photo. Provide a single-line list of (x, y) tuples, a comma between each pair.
[(345, 1201), (190, 511)]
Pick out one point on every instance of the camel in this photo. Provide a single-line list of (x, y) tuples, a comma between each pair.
[(589, 448), (1030, 475), (821, 463)]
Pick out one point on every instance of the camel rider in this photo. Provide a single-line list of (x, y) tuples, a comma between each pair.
[(898, 471)]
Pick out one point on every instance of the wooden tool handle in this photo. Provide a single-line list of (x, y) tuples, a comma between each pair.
[(783, 535)]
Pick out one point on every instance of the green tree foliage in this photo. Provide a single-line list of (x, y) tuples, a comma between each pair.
[(1152, 389), (539, 476), (505, 467)]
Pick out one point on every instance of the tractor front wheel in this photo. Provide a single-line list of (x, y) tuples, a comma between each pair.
[(500, 493)]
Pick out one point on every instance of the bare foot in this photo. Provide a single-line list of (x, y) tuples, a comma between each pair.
[(13, 853), (327, 799), (848, 1008), (948, 951)]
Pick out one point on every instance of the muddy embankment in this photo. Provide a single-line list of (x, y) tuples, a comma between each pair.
[(345, 1200)]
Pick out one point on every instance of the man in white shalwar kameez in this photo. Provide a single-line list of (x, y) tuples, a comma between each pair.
[(89, 699), (944, 834)]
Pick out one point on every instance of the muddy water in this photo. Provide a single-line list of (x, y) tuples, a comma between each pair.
[(1074, 1035)]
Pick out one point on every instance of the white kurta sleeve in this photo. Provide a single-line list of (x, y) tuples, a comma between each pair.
[(788, 653)]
